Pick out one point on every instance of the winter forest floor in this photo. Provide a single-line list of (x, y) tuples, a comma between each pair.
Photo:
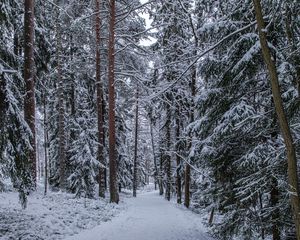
[(149, 217), (60, 216)]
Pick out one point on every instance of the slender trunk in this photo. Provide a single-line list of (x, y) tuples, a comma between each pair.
[(178, 160), (114, 196), (275, 214), (187, 180), (167, 157), (38, 162), (3, 104), (16, 43), (261, 216), (45, 147), (135, 177), (103, 119), (211, 217), (61, 111), (154, 157), (160, 179), (282, 119), (101, 178), (187, 175), (29, 78)]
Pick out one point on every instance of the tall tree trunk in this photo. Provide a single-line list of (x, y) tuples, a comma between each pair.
[(167, 157), (160, 177), (154, 157), (29, 78), (113, 184), (61, 111), (178, 160), (45, 146), (3, 102), (261, 215), (275, 214), (282, 119), (101, 178), (135, 167), (187, 174), (103, 119), (16, 43), (187, 182)]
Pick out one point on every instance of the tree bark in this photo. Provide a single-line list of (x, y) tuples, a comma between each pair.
[(211, 217), (187, 180), (45, 147), (101, 177), (154, 157), (282, 119), (61, 111), (187, 175), (160, 179), (29, 78), (275, 214), (167, 157), (3, 103), (178, 160), (114, 196), (135, 177)]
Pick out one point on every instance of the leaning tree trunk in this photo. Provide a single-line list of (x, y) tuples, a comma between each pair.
[(113, 184), (101, 178), (29, 103), (282, 119), (135, 168)]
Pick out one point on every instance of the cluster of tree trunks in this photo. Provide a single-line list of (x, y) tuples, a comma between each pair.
[(29, 103)]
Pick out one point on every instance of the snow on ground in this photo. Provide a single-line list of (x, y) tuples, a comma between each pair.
[(55, 216), (149, 217)]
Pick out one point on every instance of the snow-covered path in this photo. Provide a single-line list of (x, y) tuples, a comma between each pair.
[(149, 217)]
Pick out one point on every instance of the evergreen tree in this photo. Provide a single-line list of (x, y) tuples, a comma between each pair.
[(83, 150)]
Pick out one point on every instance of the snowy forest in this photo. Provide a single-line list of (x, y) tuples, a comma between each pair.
[(178, 118)]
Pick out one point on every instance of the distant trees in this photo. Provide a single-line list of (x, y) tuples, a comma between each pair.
[(173, 39)]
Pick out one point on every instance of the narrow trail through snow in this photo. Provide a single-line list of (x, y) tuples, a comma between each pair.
[(149, 217)]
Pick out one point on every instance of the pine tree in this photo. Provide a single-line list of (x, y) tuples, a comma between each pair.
[(135, 158), (83, 149), (29, 78), (114, 196)]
